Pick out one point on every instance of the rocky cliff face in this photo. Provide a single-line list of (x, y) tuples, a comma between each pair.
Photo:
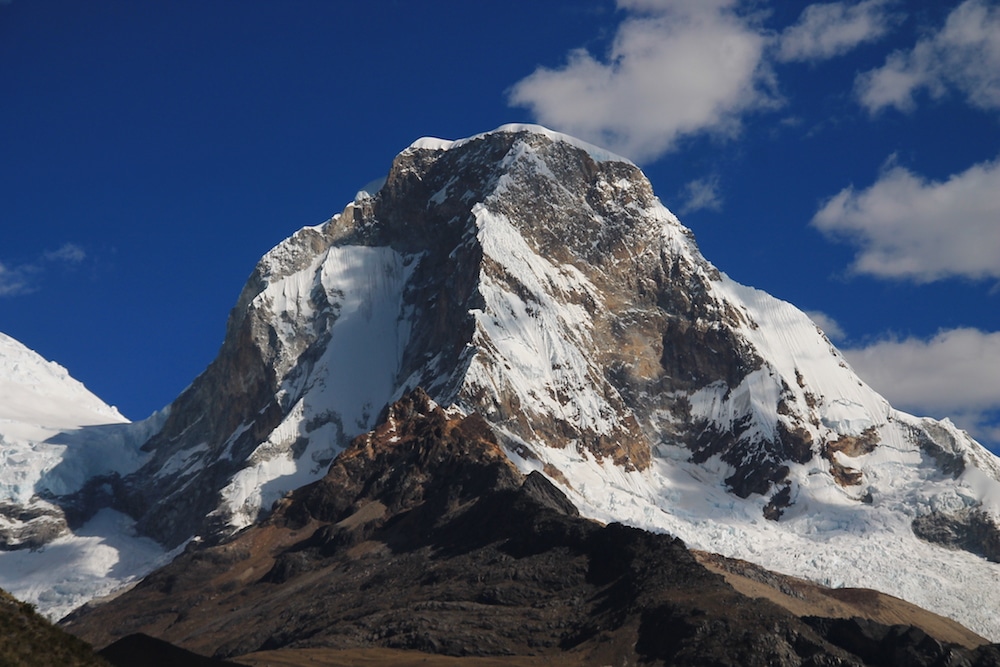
[(414, 285), (536, 281)]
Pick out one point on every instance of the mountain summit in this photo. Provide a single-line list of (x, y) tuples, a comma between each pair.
[(535, 280)]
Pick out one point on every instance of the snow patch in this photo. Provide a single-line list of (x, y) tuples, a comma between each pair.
[(432, 144)]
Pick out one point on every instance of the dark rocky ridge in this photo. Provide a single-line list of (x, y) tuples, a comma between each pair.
[(971, 530), (141, 650), (423, 536)]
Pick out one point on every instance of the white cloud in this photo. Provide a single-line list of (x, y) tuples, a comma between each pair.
[(906, 227), (951, 375), (675, 68), (830, 326), (963, 56), (12, 281), (22, 278), (69, 252), (832, 29), (701, 194)]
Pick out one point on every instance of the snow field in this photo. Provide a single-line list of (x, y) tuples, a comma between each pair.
[(100, 558)]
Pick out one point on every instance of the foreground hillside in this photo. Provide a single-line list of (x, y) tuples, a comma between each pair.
[(424, 537), (29, 640)]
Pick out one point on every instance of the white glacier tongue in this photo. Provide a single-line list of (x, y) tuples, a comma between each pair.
[(99, 558)]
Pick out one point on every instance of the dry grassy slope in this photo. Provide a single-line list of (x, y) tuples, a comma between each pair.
[(197, 615), (27, 639), (805, 598)]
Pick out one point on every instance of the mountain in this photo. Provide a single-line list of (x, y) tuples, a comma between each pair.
[(424, 537), (535, 280)]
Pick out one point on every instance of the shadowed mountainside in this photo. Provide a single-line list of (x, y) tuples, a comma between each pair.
[(424, 537)]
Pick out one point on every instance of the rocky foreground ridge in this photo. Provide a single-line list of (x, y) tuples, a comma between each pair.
[(424, 537), (537, 282)]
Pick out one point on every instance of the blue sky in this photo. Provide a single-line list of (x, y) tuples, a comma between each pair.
[(844, 156)]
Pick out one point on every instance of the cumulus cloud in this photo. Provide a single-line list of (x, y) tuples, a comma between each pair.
[(907, 227), (701, 194), (830, 326), (963, 56), (675, 68), (827, 30), (954, 375), (22, 278)]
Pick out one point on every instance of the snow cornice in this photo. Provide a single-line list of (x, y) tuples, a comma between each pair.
[(595, 152)]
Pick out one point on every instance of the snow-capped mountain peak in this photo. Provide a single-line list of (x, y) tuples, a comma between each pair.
[(595, 152), (536, 280), (40, 407), (55, 437), (36, 390)]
